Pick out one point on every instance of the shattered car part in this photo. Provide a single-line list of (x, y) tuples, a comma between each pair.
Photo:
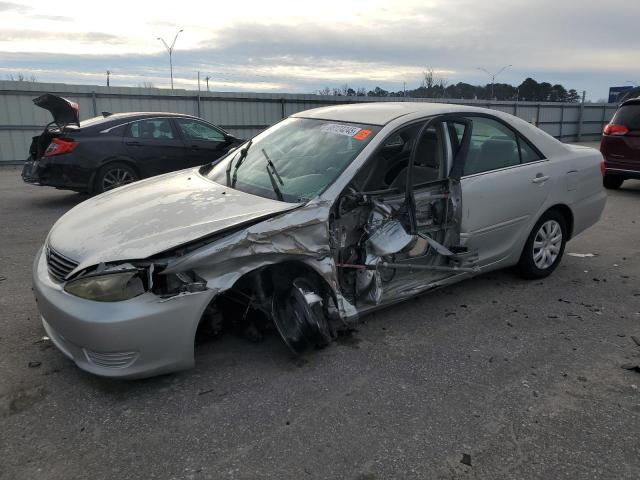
[(358, 207)]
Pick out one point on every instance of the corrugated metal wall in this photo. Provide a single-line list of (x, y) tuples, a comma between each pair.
[(245, 114)]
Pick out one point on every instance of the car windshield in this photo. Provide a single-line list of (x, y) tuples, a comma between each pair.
[(295, 160)]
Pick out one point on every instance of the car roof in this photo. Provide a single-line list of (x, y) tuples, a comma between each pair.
[(381, 113), (101, 120), (631, 101)]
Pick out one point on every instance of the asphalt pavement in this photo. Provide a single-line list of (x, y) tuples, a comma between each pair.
[(495, 378)]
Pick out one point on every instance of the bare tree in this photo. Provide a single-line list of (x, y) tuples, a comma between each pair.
[(146, 84), (20, 77), (428, 79), (324, 91)]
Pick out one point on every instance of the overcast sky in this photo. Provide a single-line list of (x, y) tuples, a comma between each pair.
[(300, 46)]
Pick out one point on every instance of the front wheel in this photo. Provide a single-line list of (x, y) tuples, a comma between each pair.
[(114, 175), (544, 248), (612, 181)]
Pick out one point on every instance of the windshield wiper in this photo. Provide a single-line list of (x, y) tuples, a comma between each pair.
[(273, 173), (243, 155)]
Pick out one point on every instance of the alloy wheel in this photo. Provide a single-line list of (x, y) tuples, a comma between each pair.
[(116, 177)]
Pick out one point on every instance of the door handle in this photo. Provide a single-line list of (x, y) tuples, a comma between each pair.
[(195, 147), (134, 143), (540, 178)]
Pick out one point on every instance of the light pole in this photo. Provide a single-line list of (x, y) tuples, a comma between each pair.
[(207, 80), (494, 75), (170, 50), (108, 74)]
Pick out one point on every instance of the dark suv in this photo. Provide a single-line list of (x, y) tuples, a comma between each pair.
[(105, 152), (620, 145)]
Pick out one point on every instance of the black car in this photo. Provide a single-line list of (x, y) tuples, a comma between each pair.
[(105, 152)]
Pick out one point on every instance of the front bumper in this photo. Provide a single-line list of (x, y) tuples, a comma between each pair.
[(137, 338)]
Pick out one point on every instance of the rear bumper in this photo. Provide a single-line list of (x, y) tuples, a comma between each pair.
[(137, 338), (622, 172), (61, 174)]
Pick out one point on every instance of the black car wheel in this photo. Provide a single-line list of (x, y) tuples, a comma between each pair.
[(114, 175), (612, 181), (544, 248)]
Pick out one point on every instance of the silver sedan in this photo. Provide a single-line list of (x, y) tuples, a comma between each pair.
[(325, 216)]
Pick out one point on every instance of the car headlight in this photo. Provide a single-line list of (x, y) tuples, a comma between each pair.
[(111, 287)]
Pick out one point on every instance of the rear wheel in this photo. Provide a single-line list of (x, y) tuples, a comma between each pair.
[(612, 181), (544, 248), (114, 175)]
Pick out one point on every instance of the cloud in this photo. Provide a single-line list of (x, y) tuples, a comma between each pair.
[(9, 6), (10, 35), (586, 44), (53, 18)]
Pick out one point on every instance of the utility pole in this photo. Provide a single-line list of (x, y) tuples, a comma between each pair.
[(108, 74), (494, 75), (170, 50)]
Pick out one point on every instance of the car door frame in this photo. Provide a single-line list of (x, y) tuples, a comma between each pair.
[(427, 270)]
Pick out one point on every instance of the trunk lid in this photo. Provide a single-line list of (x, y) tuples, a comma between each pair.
[(64, 111)]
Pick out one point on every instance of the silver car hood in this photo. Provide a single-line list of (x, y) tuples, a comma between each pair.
[(151, 216)]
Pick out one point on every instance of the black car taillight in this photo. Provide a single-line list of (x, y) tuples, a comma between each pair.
[(59, 146), (616, 130)]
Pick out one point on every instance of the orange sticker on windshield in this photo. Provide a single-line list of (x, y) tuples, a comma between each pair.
[(362, 134)]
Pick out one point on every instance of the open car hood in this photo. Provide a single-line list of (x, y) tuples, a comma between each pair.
[(64, 111), (154, 215)]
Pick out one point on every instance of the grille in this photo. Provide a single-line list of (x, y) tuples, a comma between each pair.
[(111, 359), (58, 265)]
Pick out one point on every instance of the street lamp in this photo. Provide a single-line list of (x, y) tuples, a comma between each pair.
[(170, 50), (494, 75)]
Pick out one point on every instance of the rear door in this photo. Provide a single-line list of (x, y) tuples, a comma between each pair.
[(204, 143), (155, 146), (505, 182)]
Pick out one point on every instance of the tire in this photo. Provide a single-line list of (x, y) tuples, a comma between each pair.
[(114, 175), (541, 254), (612, 182)]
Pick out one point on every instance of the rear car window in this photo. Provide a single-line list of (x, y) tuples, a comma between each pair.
[(157, 128), (629, 116)]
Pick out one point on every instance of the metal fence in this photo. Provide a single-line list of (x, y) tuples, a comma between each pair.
[(246, 114)]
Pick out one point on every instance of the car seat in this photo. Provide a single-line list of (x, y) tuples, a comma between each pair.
[(428, 162), (165, 130)]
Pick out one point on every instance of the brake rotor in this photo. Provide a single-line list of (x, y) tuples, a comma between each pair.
[(299, 317)]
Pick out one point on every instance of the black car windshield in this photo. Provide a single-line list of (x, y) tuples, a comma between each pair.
[(295, 160)]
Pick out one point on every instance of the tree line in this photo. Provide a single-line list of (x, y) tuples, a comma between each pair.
[(529, 90)]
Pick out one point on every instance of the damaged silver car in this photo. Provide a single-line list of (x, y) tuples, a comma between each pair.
[(325, 216)]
